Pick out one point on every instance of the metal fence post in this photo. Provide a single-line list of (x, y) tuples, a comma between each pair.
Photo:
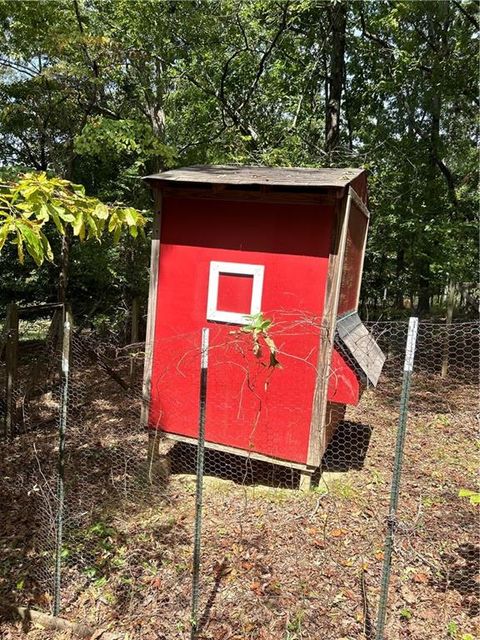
[(199, 492), (396, 476), (62, 427)]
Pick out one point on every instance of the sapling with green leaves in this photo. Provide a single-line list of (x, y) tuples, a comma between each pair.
[(258, 326), (29, 204)]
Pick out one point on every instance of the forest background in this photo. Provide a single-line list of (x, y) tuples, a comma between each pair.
[(103, 92)]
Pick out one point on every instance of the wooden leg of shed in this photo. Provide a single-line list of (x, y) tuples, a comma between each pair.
[(158, 463), (305, 483), (153, 454)]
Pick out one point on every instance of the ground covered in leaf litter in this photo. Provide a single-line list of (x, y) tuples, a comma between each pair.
[(277, 564)]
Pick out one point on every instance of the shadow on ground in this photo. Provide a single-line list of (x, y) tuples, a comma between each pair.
[(461, 572), (346, 451)]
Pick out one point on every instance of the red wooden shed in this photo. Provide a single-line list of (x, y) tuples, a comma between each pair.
[(231, 241)]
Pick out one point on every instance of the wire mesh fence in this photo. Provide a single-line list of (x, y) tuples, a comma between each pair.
[(31, 379), (275, 561), (435, 575)]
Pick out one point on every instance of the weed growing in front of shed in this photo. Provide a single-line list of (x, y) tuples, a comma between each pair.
[(258, 326)]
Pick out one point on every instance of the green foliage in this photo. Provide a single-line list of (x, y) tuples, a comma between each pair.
[(453, 631), (108, 93), (418, 135), (30, 205), (258, 326), (473, 496), (128, 145)]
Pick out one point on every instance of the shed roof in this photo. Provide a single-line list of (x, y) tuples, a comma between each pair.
[(251, 176)]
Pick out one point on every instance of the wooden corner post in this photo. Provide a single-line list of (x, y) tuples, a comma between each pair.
[(152, 308), (318, 426), (11, 361), (134, 336)]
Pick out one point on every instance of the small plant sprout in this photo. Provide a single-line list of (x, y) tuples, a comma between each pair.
[(258, 326), (473, 496), (406, 614)]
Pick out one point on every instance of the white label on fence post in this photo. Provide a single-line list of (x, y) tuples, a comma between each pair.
[(411, 342), (204, 354), (66, 348)]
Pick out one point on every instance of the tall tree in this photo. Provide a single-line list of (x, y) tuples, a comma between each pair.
[(103, 93), (414, 108), (335, 82)]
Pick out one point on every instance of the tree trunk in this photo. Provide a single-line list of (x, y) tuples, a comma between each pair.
[(338, 15), (433, 206), (433, 199), (424, 287), (448, 322), (64, 265), (399, 270)]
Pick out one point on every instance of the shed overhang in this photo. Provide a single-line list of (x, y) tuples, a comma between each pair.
[(294, 178)]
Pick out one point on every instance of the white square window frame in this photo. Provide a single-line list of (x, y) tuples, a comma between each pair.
[(234, 268)]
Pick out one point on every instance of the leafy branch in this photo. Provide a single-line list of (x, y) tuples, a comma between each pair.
[(28, 204)]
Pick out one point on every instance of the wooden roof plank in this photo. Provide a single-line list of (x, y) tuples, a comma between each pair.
[(258, 176)]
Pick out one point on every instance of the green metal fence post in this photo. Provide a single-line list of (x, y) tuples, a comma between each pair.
[(397, 472), (199, 492), (62, 427)]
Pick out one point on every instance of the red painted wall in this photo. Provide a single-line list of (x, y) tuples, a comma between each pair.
[(249, 406), (343, 385)]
